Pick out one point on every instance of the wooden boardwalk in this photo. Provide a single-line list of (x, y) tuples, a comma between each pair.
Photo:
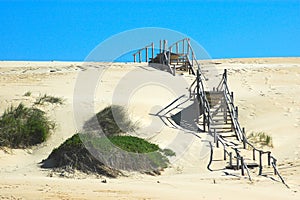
[(213, 112)]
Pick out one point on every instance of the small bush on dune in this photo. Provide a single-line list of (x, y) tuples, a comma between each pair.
[(106, 158), (27, 94), (22, 127), (113, 120), (50, 99), (98, 153), (261, 138)]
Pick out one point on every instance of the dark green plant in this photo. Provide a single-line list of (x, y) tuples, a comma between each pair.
[(21, 127), (73, 152), (113, 120), (261, 138), (27, 94), (50, 99), (168, 152)]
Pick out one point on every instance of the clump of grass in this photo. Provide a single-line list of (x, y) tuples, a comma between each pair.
[(113, 120), (102, 156), (261, 138), (49, 99), (168, 152), (22, 126), (27, 94)]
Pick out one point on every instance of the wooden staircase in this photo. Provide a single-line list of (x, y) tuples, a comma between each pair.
[(212, 112), (220, 120)]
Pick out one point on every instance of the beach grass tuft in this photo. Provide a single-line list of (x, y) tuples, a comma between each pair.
[(22, 126), (27, 94), (49, 99), (261, 138)]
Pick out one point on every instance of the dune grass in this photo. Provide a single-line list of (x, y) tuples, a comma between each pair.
[(106, 153), (27, 94), (48, 99), (22, 126), (261, 139), (103, 152), (113, 120)]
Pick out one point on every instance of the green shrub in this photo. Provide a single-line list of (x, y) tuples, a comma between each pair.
[(133, 144), (50, 99), (113, 120), (261, 139), (73, 153), (27, 94), (168, 152), (21, 127)]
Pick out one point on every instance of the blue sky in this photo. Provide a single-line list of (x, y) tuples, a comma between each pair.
[(69, 30)]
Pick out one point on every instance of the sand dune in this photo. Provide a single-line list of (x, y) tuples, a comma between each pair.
[(265, 89)]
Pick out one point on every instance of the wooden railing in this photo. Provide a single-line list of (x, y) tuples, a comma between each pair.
[(146, 50), (241, 136), (184, 55)]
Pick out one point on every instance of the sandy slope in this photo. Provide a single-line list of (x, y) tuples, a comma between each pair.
[(266, 91)]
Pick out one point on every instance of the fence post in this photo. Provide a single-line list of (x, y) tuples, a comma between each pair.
[(140, 57), (225, 74), (274, 161), (237, 160), (253, 154), (192, 58), (204, 121), (242, 166), (198, 85), (260, 163), (244, 138), (224, 153), (225, 109), (269, 158), (160, 46), (152, 44), (146, 54)]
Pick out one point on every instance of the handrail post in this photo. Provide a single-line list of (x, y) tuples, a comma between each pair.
[(269, 158), (134, 58), (198, 85), (244, 138), (204, 121), (242, 166), (253, 154), (152, 44), (160, 46), (260, 163), (140, 57), (274, 161), (237, 160), (146, 54)]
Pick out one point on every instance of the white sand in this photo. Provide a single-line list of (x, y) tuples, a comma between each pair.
[(266, 91)]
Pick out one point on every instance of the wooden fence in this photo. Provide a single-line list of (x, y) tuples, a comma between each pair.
[(197, 91)]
